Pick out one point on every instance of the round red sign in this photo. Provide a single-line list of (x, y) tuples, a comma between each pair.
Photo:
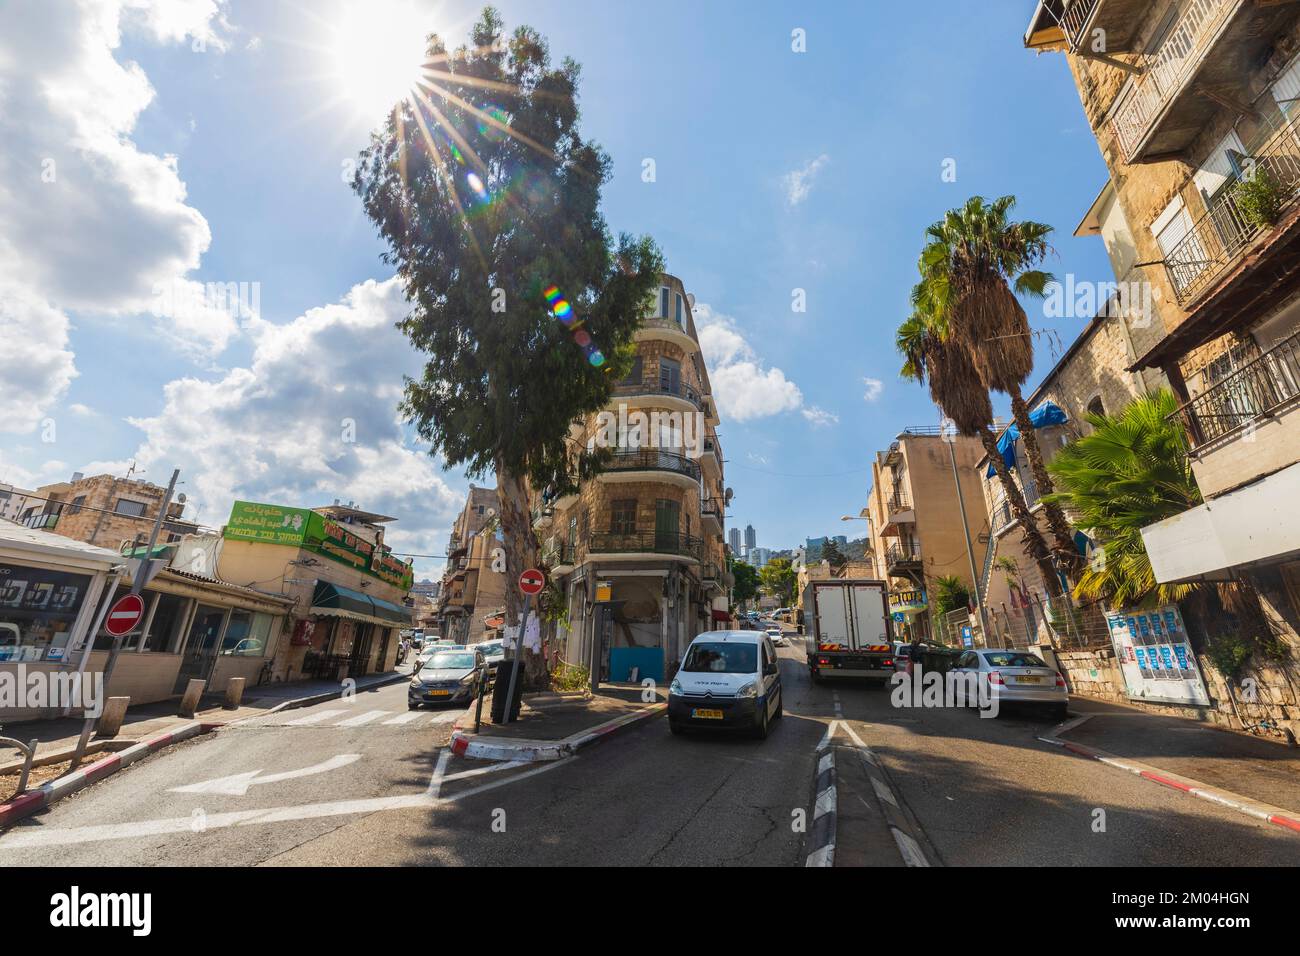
[(532, 581), (124, 615)]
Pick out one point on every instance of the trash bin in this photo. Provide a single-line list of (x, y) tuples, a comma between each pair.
[(501, 687)]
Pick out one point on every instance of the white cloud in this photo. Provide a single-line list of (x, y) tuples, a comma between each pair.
[(798, 183), (279, 429), (744, 388), (874, 387), (819, 417), (88, 222)]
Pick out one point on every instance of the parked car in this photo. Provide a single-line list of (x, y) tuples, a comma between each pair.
[(1019, 677), (728, 679), (446, 677), (494, 652)]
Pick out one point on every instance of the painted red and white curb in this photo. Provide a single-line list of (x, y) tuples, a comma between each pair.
[(485, 748), (821, 835), (1287, 819), (46, 794)]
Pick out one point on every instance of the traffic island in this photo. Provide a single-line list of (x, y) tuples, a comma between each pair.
[(552, 726)]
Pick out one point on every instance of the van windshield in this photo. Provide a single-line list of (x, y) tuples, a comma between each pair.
[(719, 658)]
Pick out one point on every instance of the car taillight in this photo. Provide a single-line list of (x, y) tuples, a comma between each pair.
[(1060, 681), (996, 678)]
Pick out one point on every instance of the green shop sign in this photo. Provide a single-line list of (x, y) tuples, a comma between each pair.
[(301, 528)]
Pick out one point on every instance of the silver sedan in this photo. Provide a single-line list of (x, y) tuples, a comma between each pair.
[(1017, 677)]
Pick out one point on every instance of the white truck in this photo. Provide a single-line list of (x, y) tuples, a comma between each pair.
[(847, 629)]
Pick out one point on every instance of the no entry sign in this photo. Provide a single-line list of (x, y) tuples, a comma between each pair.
[(124, 615), (532, 581)]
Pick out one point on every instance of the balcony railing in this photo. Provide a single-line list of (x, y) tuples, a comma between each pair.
[(651, 459), (676, 390), (1075, 19), (1223, 233), (657, 322), (710, 508), (41, 521), (558, 554), (1165, 72), (645, 542), (899, 502), (1252, 392), (902, 554)]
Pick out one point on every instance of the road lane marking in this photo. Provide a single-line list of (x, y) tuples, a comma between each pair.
[(830, 732), (315, 718), (360, 719), (238, 784), (25, 837), (405, 718), (447, 717)]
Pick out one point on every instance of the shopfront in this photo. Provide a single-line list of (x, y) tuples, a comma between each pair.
[(354, 633)]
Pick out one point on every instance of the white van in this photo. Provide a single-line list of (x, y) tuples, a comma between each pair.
[(728, 679)]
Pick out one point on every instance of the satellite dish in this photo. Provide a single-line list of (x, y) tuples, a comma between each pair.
[(730, 494), (181, 499), (690, 299)]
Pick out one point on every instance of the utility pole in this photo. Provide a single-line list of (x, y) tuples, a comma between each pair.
[(965, 527), (142, 572)]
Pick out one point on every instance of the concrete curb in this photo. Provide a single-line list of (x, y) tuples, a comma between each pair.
[(1287, 819), (56, 790), (821, 836), (298, 702), (474, 745), (902, 826)]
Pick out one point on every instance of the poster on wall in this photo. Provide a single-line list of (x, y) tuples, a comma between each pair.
[(1155, 656)]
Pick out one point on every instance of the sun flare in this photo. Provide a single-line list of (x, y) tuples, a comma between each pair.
[(378, 51)]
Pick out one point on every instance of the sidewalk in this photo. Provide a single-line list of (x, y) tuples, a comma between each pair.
[(58, 737), (554, 725), (1186, 754)]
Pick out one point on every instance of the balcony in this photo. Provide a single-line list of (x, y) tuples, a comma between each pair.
[(543, 517), (634, 464), (1077, 22), (1214, 46), (711, 575), (1254, 410), (711, 516), (679, 391), (654, 327), (559, 557), (1223, 235), (712, 457), (902, 559), (41, 522), (646, 542)]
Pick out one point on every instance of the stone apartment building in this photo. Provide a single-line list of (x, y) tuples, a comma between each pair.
[(915, 518), (473, 590), (637, 555), (1195, 105), (105, 510)]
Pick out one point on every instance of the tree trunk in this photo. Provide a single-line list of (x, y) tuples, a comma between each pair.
[(1035, 545), (1066, 552), (521, 553)]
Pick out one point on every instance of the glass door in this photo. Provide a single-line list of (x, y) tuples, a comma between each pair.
[(200, 646)]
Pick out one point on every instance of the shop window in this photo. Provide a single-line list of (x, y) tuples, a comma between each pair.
[(247, 635), (37, 610), (165, 625)]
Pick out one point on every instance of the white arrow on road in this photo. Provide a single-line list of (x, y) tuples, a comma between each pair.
[(238, 784)]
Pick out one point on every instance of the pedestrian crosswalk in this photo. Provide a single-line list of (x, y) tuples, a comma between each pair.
[(350, 717)]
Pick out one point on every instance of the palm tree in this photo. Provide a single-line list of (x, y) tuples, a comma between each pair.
[(1130, 472), (928, 357), (974, 264)]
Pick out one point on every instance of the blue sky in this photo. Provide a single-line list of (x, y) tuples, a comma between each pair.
[(775, 171)]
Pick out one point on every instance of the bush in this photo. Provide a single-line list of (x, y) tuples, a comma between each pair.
[(1260, 198), (1228, 653), (570, 677)]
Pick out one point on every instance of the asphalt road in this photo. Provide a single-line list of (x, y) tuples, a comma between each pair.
[(366, 783)]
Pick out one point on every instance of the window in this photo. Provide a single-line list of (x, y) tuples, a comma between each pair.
[(663, 302), (77, 502), (670, 375), (1172, 225), (573, 531), (246, 635), (1095, 407), (622, 516), (164, 627), (37, 611), (1220, 167), (679, 315), (134, 509)]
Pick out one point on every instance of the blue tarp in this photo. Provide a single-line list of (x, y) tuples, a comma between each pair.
[(1044, 415)]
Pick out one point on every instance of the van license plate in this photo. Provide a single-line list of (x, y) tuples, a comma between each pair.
[(699, 714)]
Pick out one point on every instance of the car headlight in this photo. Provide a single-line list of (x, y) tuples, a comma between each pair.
[(469, 678), (675, 688), (749, 690)]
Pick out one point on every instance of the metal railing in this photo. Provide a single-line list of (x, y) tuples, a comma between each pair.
[(1222, 234), (899, 502), (1076, 18), (1250, 393), (557, 555), (659, 322), (651, 459), (902, 554), (41, 521), (1165, 72), (677, 390), (711, 509), (645, 542)]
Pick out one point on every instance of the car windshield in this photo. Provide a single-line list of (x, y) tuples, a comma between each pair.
[(451, 661), (490, 649), (718, 658), (1005, 659)]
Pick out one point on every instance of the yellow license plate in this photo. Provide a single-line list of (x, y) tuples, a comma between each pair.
[(706, 714), (1029, 680), (438, 693)]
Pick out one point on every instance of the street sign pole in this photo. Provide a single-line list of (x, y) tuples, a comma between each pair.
[(531, 583)]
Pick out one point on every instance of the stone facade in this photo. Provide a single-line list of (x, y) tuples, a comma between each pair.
[(106, 511)]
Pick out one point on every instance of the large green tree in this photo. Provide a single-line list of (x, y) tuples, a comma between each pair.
[(975, 263), (746, 586), (779, 579), (1131, 471), (488, 197)]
